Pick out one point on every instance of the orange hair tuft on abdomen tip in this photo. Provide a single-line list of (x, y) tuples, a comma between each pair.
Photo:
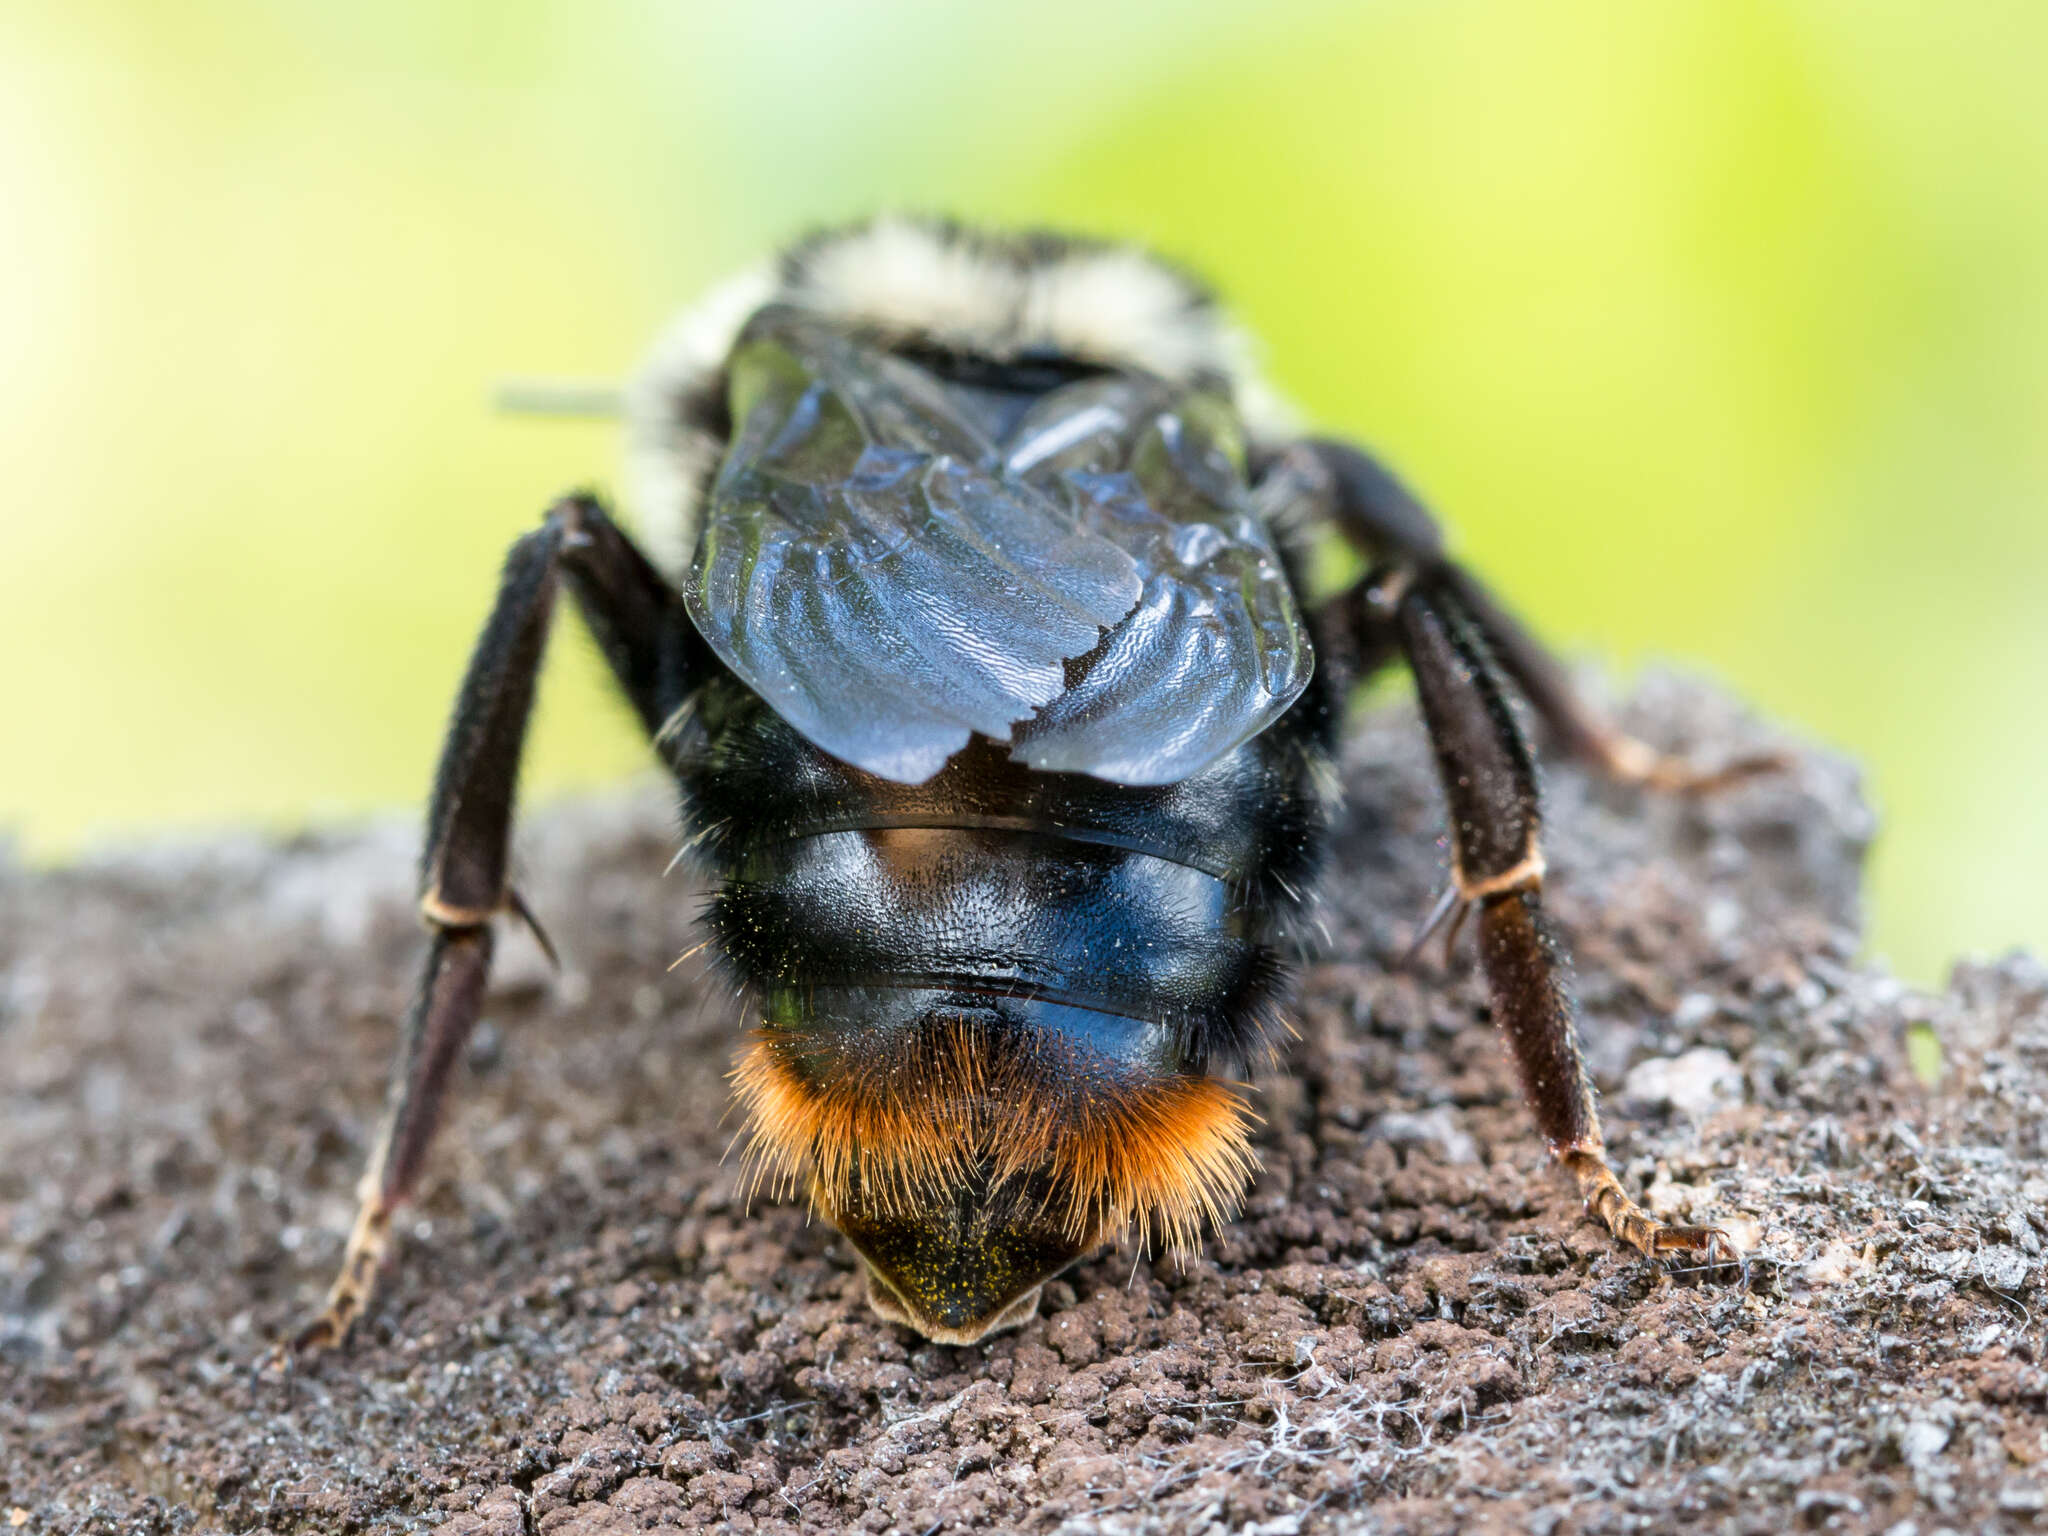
[(1115, 1145)]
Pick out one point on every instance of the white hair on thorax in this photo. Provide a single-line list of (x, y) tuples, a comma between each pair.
[(939, 285), (672, 449)]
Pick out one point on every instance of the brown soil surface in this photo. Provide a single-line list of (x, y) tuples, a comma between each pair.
[(1411, 1328)]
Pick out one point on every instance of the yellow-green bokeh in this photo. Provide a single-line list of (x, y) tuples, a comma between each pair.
[(1719, 331)]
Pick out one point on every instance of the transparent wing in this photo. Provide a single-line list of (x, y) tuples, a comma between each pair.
[(869, 569), (1096, 589), (1215, 649)]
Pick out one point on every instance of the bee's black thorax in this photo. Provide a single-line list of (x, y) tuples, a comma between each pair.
[(996, 887)]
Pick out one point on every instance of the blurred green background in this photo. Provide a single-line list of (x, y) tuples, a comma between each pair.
[(1719, 331)]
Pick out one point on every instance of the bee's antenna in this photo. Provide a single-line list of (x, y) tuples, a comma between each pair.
[(558, 397)]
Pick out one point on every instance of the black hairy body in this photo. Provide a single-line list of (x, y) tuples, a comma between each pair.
[(1004, 735)]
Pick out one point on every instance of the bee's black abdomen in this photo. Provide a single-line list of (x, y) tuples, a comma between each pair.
[(1000, 911), (1000, 1009), (1174, 905)]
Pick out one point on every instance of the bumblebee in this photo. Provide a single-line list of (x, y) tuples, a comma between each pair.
[(971, 625)]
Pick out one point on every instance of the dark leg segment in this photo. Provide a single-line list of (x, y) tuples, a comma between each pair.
[(1488, 774), (469, 818), (1526, 977), (463, 881), (1387, 524), (436, 1028), (1532, 1003), (1578, 728), (1379, 515), (1490, 788), (636, 616)]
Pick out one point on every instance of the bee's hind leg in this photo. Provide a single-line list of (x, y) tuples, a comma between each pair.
[(463, 870), (442, 1015), (1489, 782), (1463, 649)]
